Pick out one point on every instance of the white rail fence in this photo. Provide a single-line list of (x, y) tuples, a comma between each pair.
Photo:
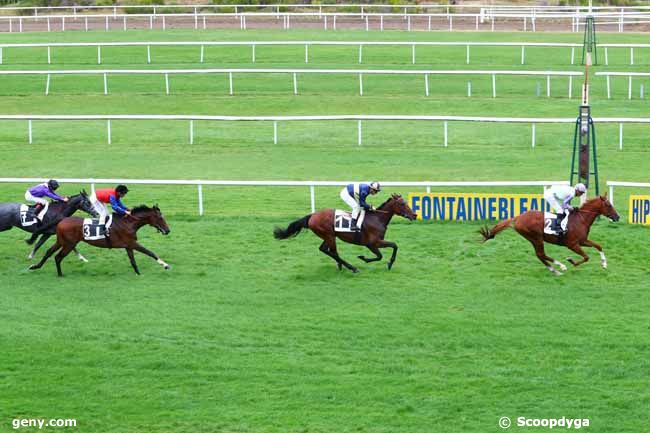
[(294, 72), (614, 183), (262, 183), (307, 44), (358, 118), (629, 76), (375, 21)]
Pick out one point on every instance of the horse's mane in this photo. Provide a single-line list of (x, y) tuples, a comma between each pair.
[(589, 204), (391, 198), (141, 208)]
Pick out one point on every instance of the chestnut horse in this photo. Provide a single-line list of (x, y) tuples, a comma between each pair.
[(371, 236), (69, 232), (531, 226)]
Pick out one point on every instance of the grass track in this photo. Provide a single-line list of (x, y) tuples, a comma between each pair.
[(248, 334)]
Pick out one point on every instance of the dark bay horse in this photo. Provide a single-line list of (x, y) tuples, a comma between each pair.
[(10, 217), (69, 232), (531, 226), (371, 236)]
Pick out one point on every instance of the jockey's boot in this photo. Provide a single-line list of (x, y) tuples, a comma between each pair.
[(354, 227)]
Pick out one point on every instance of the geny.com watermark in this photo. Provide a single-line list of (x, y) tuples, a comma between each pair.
[(550, 423), (42, 423)]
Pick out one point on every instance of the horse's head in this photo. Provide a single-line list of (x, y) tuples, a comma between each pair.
[(82, 201), (397, 205), (607, 209), (152, 216)]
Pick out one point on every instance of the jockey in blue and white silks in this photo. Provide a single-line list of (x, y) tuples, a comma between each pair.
[(559, 199), (355, 195)]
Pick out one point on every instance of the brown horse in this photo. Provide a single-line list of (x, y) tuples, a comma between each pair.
[(531, 226), (371, 235), (69, 232)]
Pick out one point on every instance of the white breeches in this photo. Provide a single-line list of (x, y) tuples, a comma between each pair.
[(555, 205), (350, 201), (100, 208), (40, 200)]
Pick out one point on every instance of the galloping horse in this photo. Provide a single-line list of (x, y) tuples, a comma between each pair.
[(70, 232), (10, 217), (371, 235), (531, 226)]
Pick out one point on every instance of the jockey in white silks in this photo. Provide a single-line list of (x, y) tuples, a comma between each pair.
[(559, 198), (355, 195)]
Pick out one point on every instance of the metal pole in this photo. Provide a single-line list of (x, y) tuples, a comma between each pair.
[(360, 53), (631, 55), (523, 54), (611, 194), (570, 86), (200, 199), (312, 194), (609, 93), (148, 53), (533, 135), (49, 55), (306, 53), (606, 57), (629, 87), (105, 85), (230, 81), (494, 86), (360, 84), (99, 54), (573, 53), (202, 53), (47, 85), (467, 55), (253, 46), (426, 84), (295, 84), (446, 133), (548, 86), (275, 132), (108, 126), (191, 131), (359, 133), (29, 130), (620, 136)]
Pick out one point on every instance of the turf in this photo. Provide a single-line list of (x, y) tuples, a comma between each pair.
[(249, 334)]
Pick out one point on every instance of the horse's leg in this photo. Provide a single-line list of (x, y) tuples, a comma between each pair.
[(79, 255), (541, 255), (603, 259), (53, 249), (326, 250), (377, 253), (388, 244), (32, 239), (576, 248), (136, 246), (331, 244), (59, 257), (129, 252), (39, 244)]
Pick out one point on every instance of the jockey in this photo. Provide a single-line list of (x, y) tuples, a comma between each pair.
[(37, 194), (111, 196), (559, 198), (355, 195)]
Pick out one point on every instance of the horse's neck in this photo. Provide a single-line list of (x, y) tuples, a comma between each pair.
[(386, 214), (588, 216)]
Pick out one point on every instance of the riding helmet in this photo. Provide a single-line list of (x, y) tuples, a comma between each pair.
[(53, 185), (122, 189), (375, 185)]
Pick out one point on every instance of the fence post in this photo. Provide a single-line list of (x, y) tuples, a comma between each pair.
[(446, 134), (167, 84), (148, 53), (548, 86), (200, 199), (629, 87), (312, 194), (29, 130), (105, 85), (620, 136), (306, 53), (494, 86), (533, 135), (611, 194), (275, 132), (467, 55), (360, 53), (191, 131), (609, 93), (631, 55), (295, 83), (202, 53), (108, 127), (0, 55), (47, 85), (230, 81), (413, 54), (570, 86), (426, 84), (99, 54), (606, 57), (573, 53), (359, 133), (253, 46), (523, 54), (49, 55)]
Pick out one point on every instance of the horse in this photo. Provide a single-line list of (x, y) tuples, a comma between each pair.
[(70, 231), (531, 226), (10, 217), (371, 235)]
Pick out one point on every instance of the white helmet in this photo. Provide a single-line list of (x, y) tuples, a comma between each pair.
[(375, 185), (581, 187)]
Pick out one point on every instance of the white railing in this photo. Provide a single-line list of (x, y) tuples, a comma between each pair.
[(312, 184), (306, 44), (629, 76), (30, 118), (376, 19), (612, 183), (295, 72)]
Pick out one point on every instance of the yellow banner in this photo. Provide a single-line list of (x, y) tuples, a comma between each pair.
[(639, 210), (472, 207)]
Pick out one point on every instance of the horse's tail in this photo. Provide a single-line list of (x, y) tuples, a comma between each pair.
[(293, 229), (490, 233)]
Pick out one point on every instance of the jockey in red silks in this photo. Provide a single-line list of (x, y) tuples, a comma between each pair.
[(113, 196)]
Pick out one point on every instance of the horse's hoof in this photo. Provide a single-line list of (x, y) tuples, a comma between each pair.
[(32, 268), (167, 267), (339, 266), (604, 265), (362, 258), (562, 267), (389, 265), (354, 270)]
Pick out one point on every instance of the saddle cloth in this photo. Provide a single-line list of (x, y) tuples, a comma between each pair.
[(343, 220), (551, 225), (27, 215), (93, 230)]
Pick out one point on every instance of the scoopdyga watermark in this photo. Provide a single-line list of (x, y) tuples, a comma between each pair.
[(549, 423)]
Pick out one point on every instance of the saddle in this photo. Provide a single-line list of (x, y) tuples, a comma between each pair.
[(28, 215), (553, 224)]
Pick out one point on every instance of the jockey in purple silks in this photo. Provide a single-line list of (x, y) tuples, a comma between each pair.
[(37, 194)]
